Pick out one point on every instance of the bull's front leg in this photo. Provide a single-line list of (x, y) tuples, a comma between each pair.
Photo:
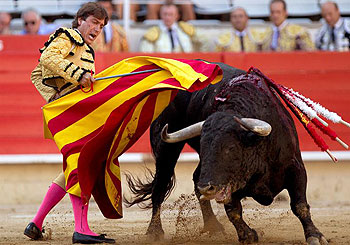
[(296, 186), (234, 213), (312, 235), (211, 224)]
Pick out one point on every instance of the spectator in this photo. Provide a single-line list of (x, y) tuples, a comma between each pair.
[(241, 38), (170, 35), (283, 36), (33, 24), (5, 20), (334, 35), (113, 37), (187, 12), (153, 9)]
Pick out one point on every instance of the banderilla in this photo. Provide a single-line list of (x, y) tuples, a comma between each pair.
[(128, 74)]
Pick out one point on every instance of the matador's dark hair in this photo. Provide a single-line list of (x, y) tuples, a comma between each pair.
[(90, 8)]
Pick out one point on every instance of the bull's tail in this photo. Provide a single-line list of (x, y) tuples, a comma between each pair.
[(306, 111), (142, 189)]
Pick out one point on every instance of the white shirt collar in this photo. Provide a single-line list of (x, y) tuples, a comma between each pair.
[(280, 27), (173, 27), (108, 32), (338, 24), (240, 33)]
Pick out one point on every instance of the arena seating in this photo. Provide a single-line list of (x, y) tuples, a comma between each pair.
[(70, 7), (344, 7), (302, 8), (45, 8), (255, 8), (206, 7), (8, 6)]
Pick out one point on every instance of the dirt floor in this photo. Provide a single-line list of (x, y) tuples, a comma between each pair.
[(22, 188)]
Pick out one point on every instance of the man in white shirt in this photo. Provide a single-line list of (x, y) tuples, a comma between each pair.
[(170, 35), (334, 35)]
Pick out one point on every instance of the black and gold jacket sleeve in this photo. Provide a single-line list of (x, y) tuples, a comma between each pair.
[(64, 60)]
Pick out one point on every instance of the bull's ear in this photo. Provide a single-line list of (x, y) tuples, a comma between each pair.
[(256, 126)]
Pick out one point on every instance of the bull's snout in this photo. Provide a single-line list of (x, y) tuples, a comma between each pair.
[(207, 190)]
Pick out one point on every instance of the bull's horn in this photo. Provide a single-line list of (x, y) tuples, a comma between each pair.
[(183, 134), (257, 126)]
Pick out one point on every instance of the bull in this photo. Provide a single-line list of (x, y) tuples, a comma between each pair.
[(247, 145)]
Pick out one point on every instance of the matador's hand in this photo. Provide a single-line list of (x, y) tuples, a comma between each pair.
[(86, 80)]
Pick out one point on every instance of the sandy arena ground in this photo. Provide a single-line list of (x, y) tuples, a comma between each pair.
[(22, 188)]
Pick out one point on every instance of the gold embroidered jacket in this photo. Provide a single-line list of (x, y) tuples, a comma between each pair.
[(156, 39), (292, 37), (230, 41), (64, 60), (118, 43)]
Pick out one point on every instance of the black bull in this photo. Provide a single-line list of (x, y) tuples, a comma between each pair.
[(234, 161)]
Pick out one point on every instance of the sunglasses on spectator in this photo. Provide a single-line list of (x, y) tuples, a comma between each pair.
[(29, 23)]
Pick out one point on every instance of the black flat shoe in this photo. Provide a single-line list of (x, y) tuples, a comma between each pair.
[(87, 239), (33, 232)]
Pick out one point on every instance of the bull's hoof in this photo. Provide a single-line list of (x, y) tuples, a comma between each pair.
[(212, 226), (155, 235), (249, 237), (316, 240)]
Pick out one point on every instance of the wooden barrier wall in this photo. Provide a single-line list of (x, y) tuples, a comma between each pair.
[(321, 76)]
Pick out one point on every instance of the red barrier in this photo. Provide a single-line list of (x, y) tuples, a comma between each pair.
[(22, 44), (290, 62), (321, 76)]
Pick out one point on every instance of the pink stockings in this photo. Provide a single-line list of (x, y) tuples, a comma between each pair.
[(52, 197), (80, 216)]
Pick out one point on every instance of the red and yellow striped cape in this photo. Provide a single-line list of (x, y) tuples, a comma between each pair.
[(92, 130)]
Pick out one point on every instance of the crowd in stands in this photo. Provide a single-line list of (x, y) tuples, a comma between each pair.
[(174, 33)]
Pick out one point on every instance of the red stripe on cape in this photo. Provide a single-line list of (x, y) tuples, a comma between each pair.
[(200, 67), (88, 105)]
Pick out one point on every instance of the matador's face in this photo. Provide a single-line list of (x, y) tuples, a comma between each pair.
[(90, 28)]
